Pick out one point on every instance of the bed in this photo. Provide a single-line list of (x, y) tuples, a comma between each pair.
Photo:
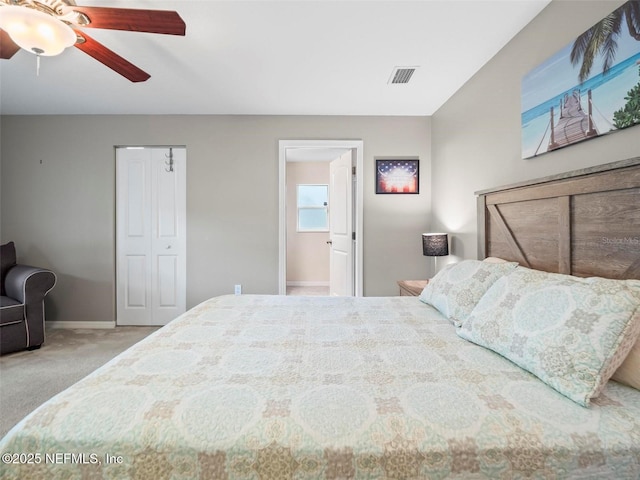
[(274, 387)]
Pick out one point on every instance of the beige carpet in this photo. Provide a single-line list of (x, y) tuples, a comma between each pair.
[(28, 379)]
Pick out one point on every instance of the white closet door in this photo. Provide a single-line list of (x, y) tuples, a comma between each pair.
[(151, 235)]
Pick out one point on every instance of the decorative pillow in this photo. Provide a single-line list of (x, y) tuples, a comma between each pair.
[(458, 287), (572, 333), (7, 260), (629, 372)]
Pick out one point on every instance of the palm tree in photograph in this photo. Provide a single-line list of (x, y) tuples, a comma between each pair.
[(629, 114), (602, 38)]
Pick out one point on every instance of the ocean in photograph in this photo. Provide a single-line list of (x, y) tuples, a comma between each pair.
[(608, 92)]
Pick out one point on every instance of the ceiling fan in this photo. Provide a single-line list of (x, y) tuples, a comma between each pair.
[(47, 27)]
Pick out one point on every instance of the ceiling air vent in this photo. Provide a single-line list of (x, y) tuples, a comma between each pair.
[(401, 74)]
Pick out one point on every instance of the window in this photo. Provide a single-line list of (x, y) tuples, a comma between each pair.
[(313, 211)]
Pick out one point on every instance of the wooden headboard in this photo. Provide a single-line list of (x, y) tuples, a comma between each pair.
[(584, 223)]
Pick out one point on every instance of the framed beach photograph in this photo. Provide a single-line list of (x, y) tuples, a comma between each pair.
[(589, 88), (397, 176)]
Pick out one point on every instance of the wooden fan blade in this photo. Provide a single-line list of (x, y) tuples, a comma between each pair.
[(111, 59), (134, 20), (8, 47)]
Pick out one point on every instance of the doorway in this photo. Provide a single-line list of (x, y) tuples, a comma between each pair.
[(150, 234), (349, 185)]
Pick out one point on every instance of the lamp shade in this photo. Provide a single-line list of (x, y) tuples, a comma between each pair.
[(435, 244), (35, 31)]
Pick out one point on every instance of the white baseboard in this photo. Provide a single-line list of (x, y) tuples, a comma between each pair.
[(307, 284), (92, 325)]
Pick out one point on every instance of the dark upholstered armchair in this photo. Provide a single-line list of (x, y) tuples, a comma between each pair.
[(22, 295)]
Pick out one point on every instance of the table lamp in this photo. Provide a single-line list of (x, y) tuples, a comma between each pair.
[(435, 245)]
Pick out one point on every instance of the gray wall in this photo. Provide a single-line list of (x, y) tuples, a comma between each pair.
[(58, 194), (61, 211), (476, 134)]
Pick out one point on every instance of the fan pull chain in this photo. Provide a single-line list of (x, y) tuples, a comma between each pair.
[(38, 52)]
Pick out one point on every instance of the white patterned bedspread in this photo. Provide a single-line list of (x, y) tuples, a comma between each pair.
[(271, 387)]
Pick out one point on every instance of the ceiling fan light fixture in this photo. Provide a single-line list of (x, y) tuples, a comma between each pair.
[(36, 31)]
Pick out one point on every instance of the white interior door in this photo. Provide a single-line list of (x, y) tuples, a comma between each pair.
[(341, 260), (151, 235)]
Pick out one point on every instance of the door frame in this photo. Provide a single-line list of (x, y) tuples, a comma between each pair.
[(358, 146)]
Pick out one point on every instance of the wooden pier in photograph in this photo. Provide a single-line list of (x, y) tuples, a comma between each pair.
[(574, 124)]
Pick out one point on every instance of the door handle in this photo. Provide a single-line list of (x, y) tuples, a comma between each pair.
[(329, 242)]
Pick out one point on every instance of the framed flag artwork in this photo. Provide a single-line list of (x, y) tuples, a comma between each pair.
[(398, 176)]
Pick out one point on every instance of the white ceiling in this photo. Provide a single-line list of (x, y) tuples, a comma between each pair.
[(306, 57)]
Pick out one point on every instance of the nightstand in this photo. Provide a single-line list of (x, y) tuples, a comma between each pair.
[(411, 288)]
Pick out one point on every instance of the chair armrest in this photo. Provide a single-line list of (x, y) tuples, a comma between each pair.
[(28, 284)]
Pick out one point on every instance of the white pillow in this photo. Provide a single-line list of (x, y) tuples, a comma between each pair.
[(458, 287), (495, 260), (572, 333)]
